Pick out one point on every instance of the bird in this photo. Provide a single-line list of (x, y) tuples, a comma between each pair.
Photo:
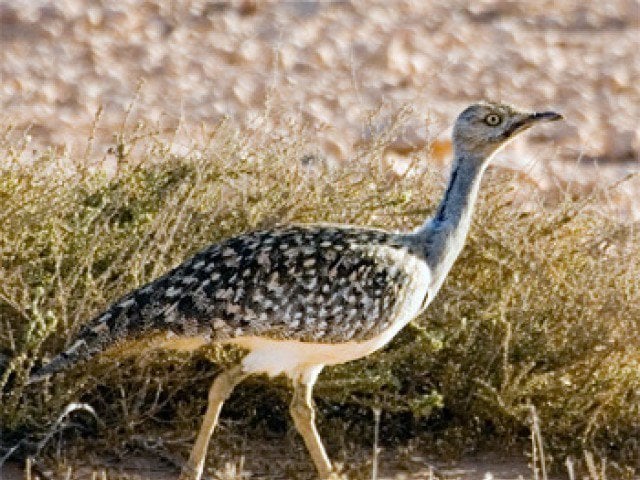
[(297, 298)]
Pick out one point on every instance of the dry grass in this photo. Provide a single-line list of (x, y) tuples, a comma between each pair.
[(540, 314)]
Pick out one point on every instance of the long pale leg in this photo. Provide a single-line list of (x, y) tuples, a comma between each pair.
[(303, 414), (220, 390)]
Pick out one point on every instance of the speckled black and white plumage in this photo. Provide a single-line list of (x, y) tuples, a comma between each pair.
[(325, 284)]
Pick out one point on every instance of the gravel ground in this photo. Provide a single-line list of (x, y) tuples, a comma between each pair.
[(343, 68), (251, 465), (331, 64)]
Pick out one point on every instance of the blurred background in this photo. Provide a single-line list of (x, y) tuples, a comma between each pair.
[(342, 68)]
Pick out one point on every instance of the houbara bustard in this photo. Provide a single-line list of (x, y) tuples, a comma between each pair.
[(297, 298)]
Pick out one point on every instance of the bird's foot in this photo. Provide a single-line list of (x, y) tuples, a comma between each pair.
[(336, 473), (336, 476), (189, 473)]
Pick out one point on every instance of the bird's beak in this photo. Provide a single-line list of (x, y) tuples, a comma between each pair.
[(529, 120), (545, 117)]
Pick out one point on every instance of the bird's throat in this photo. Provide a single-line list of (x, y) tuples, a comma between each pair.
[(446, 232)]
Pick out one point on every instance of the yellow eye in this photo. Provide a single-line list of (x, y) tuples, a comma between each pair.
[(492, 119)]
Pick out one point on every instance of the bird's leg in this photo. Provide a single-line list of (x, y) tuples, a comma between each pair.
[(220, 390), (303, 413)]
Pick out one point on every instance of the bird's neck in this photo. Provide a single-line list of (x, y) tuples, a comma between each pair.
[(444, 235)]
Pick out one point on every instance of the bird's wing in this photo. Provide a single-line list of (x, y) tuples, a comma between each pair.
[(310, 283)]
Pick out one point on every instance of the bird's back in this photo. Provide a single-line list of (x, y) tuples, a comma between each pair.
[(320, 283)]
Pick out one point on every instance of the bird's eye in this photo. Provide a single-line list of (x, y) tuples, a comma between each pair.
[(492, 119)]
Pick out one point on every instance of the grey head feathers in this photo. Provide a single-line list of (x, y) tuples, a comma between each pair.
[(482, 128)]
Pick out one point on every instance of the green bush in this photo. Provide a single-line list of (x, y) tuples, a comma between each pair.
[(542, 309)]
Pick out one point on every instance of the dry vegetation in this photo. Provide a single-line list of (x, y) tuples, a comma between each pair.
[(538, 320)]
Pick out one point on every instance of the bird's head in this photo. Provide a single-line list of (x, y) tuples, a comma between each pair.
[(482, 128)]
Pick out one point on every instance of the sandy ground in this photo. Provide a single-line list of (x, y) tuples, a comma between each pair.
[(489, 466), (330, 64)]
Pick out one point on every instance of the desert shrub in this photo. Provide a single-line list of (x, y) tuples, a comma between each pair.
[(541, 310)]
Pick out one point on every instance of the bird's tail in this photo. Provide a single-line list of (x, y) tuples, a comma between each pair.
[(79, 352), (122, 320), (154, 306)]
